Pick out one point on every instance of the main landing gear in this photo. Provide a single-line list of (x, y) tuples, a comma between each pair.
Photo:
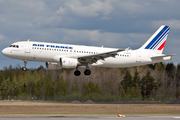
[(78, 73), (87, 72), (24, 68)]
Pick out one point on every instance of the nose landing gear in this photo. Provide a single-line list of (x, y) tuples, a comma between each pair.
[(24, 68)]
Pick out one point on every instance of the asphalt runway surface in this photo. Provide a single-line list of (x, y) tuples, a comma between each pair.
[(89, 118)]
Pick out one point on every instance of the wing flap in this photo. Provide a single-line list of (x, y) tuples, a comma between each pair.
[(93, 58)]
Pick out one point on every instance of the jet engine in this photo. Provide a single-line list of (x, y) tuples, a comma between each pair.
[(68, 62), (65, 62)]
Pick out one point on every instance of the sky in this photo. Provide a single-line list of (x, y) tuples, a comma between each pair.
[(111, 23)]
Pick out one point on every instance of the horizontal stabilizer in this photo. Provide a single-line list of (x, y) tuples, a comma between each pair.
[(161, 56)]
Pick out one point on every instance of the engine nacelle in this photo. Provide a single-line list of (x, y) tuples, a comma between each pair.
[(68, 62), (52, 66)]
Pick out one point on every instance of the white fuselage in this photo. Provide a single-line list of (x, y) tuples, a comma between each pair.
[(44, 52)]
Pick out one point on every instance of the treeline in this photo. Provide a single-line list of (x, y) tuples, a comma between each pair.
[(159, 82)]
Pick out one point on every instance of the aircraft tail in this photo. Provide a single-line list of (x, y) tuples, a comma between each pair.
[(157, 41)]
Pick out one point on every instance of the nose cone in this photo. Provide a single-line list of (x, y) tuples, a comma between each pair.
[(5, 51)]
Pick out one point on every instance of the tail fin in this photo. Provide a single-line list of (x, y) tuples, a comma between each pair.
[(157, 41)]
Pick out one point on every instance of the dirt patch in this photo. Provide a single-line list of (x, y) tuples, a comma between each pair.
[(89, 102), (76, 102)]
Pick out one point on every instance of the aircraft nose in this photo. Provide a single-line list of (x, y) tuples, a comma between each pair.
[(5, 51)]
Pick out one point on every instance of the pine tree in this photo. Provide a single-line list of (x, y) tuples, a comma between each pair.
[(127, 81), (147, 84), (136, 79)]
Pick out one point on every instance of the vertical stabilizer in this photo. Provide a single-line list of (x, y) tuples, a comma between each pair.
[(157, 41)]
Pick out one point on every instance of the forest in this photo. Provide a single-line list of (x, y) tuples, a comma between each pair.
[(154, 82)]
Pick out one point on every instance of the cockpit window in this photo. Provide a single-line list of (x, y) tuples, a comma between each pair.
[(14, 46)]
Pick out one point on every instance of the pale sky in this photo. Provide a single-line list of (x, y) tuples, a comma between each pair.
[(111, 23)]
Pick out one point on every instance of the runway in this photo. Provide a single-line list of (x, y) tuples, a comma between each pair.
[(88, 118)]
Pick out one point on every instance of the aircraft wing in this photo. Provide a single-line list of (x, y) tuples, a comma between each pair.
[(93, 58)]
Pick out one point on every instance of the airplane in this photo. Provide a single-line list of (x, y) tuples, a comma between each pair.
[(57, 56)]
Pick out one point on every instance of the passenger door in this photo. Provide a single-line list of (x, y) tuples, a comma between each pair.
[(27, 47)]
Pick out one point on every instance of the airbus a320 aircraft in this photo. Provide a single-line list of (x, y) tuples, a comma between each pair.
[(57, 56)]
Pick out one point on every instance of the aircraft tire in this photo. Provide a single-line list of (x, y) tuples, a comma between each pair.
[(24, 68), (87, 72), (77, 73)]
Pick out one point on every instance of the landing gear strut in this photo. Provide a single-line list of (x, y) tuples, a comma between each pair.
[(24, 68), (77, 72), (87, 71)]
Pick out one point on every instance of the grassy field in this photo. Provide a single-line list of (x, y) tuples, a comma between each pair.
[(19, 108)]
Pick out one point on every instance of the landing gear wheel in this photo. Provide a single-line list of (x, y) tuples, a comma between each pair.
[(87, 72), (24, 68), (77, 73)]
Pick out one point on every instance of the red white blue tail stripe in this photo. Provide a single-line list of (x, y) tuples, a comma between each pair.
[(158, 39)]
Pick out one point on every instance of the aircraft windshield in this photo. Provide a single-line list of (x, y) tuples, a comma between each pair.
[(15, 46)]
